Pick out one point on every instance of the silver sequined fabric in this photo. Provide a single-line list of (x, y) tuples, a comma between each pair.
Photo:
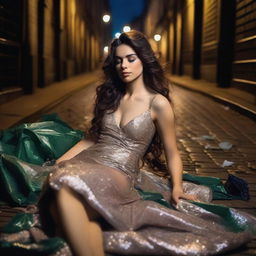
[(105, 175)]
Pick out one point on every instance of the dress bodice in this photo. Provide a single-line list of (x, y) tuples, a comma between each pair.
[(123, 147)]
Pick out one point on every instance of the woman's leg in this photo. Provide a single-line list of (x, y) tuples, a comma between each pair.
[(76, 223)]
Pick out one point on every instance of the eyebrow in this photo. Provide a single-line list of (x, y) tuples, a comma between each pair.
[(126, 55)]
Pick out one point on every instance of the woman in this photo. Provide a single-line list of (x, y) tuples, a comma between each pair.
[(135, 93), (132, 112), (100, 179)]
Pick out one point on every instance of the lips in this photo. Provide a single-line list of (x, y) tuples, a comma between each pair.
[(126, 73)]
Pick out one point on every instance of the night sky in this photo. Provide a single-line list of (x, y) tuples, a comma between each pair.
[(124, 11)]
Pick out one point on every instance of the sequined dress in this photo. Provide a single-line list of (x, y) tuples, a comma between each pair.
[(106, 175)]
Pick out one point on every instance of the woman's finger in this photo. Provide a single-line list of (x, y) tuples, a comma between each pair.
[(175, 199), (190, 197)]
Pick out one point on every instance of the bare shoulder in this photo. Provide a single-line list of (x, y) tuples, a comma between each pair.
[(161, 109), (161, 103)]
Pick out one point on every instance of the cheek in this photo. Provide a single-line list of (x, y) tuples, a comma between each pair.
[(138, 67)]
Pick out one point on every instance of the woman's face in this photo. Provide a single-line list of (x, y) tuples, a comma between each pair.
[(129, 67)]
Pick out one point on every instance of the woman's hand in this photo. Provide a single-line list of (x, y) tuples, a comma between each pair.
[(177, 193)]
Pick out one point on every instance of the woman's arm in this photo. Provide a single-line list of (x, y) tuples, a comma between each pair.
[(76, 149), (165, 122)]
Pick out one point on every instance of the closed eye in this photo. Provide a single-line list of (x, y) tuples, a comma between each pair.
[(118, 61), (130, 58)]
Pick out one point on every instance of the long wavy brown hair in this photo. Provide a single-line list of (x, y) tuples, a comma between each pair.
[(109, 94)]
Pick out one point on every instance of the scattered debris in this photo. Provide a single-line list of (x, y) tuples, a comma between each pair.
[(204, 137), (226, 108), (222, 145), (227, 163), (225, 145), (209, 146)]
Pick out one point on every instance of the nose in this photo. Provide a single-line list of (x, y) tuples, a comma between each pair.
[(124, 64)]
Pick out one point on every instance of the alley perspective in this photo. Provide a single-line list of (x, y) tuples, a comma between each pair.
[(60, 64)]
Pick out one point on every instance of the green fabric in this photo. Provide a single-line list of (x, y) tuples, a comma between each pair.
[(152, 196), (33, 143), (42, 248), (21, 221), (38, 142), (17, 184), (218, 189), (224, 212)]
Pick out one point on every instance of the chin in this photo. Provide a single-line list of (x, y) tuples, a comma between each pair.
[(127, 79)]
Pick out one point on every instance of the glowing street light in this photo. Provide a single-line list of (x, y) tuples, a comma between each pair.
[(117, 34), (157, 37), (106, 18), (105, 49), (126, 28)]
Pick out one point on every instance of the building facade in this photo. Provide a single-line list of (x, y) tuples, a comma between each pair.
[(214, 40), (48, 40)]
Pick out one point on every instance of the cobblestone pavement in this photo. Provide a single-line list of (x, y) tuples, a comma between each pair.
[(201, 125)]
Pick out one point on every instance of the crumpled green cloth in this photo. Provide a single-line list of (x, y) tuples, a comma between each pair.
[(21, 184), (23, 149), (39, 142), (23, 222)]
